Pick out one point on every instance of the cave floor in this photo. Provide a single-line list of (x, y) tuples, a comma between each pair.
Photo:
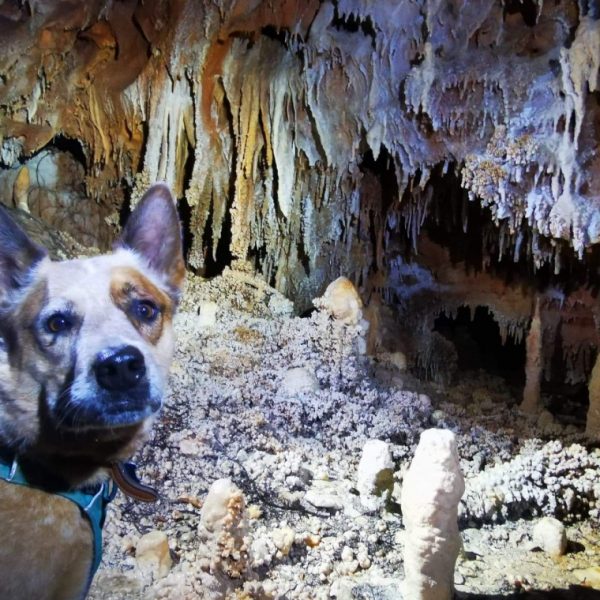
[(231, 412)]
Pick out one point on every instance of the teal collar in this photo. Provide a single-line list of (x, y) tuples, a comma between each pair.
[(91, 502)]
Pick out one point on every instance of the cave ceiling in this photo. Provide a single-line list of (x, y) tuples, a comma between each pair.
[(313, 138)]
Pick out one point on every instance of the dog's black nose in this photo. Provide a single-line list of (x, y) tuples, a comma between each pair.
[(121, 370)]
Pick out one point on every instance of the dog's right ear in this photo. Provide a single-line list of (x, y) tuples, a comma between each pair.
[(153, 231), (18, 254)]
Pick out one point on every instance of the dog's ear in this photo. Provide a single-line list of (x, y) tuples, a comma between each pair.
[(18, 254), (153, 231)]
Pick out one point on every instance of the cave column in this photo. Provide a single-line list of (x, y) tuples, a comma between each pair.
[(533, 365), (592, 424)]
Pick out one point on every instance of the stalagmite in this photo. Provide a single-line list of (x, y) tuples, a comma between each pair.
[(432, 489), (21, 189), (223, 551), (533, 364), (342, 301), (592, 425)]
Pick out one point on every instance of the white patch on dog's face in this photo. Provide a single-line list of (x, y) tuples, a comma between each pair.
[(95, 303)]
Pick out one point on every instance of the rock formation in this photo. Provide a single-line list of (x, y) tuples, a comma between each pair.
[(431, 491), (439, 155)]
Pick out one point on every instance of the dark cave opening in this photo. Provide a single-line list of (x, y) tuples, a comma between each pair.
[(125, 208), (568, 402), (185, 216), (467, 230), (70, 146), (476, 264), (216, 259), (478, 344), (528, 9), (354, 24)]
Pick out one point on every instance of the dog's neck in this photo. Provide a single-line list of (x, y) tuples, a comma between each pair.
[(72, 459), (55, 473)]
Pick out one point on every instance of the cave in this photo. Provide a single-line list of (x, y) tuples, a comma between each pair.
[(443, 158)]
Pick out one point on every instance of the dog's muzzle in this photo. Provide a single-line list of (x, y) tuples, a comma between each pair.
[(120, 370), (116, 392)]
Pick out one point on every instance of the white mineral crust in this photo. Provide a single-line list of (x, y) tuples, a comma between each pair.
[(432, 489)]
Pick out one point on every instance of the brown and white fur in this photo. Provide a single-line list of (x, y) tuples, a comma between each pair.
[(85, 347)]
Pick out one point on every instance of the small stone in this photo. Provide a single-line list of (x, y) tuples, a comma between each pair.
[(324, 499), (326, 568), (190, 499), (283, 538), (312, 540), (152, 554), (347, 554), (549, 534), (254, 511), (375, 472), (207, 314), (299, 380), (190, 446)]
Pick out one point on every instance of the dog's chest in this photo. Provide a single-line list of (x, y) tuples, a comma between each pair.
[(47, 545)]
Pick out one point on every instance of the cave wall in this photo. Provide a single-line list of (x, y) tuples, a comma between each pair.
[(309, 138)]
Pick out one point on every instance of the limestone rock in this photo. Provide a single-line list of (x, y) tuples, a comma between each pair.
[(207, 314), (152, 554), (550, 535), (375, 473), (342, 301), (223, 550), (283, 538)]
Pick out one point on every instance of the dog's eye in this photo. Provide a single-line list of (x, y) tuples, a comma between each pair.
[(145, 311), (58, 323)]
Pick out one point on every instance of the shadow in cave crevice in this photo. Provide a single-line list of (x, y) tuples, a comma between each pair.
[(354, 24), (528, 9), (183, 207), (125, 208), (68, 145), (568, 401), (479, 346), (216, 260), (467, 230)]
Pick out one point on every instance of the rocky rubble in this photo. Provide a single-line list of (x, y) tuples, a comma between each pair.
[(292, 452)]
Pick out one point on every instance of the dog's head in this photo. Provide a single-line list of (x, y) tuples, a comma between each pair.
[(85, 344)]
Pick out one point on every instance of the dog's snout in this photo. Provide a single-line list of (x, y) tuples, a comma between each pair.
[(121, 370)]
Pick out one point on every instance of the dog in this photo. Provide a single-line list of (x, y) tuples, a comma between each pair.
[(85, 349)]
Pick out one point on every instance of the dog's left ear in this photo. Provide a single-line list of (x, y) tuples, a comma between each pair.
[(18, 254), (153, 231)]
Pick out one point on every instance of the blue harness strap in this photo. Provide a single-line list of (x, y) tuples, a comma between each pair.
[(92, 504)]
